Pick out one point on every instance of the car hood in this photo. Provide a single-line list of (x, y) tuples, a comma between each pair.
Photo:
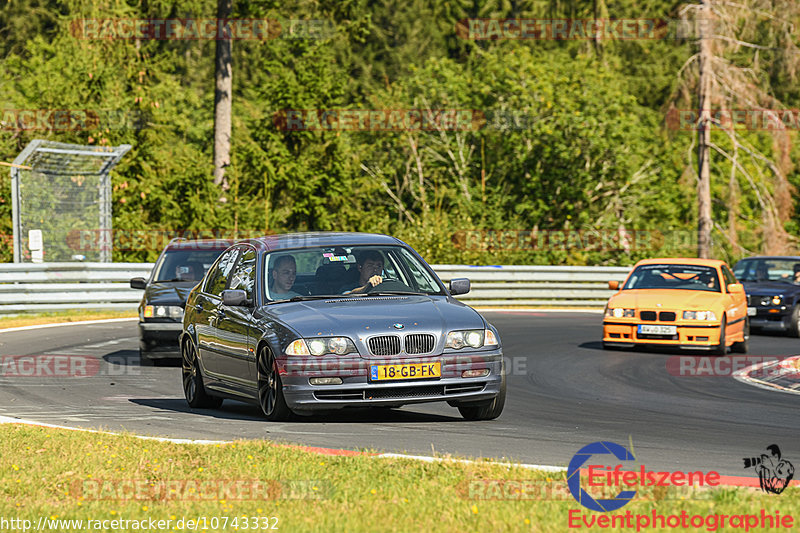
[(170, 293), (372, 315), (770, 288), (667, 298)]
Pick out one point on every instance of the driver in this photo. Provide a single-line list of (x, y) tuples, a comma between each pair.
[(284, 272), (370, 268)]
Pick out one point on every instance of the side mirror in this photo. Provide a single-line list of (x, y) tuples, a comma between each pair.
[(613, 285), (459, 286), (234, 298), (138, 283), (736, 288)]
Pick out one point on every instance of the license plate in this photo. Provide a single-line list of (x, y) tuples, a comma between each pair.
[(751, 311), (406, 371), (649, 329)]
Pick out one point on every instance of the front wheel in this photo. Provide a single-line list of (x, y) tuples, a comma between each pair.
[(270, 388), (721, 348), (193, 389), (743, 345), (794, 324), (488, 410)]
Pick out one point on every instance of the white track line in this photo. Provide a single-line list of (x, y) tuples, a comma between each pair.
[(60, 324)]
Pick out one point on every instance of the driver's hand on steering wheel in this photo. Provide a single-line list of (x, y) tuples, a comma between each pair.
[(374, 281)]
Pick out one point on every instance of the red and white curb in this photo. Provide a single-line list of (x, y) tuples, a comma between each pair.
[(786, 366)]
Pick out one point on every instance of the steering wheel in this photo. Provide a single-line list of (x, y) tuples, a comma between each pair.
[(390, 284)]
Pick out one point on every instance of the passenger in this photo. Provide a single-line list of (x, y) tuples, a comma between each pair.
[(370, 268), (283, 274), (796, 277)]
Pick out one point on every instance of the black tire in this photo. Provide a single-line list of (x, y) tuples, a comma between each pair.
[(721, 348), (270, 388), (794, 324), (193, 389), (490, 409), (743, 346)]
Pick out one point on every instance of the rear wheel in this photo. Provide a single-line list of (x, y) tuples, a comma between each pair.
[(490, 409), (721, 348), (270, 388), (743, 345), (193, 389)]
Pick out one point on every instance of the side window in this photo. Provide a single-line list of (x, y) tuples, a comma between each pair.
[(244, 276), (728, 275), (218, 279)]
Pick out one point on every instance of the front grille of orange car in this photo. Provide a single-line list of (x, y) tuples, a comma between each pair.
[(648, 315), (666, 316)]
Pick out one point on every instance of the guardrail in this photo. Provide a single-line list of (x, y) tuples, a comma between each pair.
[(28, 287)]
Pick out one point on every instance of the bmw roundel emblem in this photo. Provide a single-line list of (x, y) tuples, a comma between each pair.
[(398, 326)]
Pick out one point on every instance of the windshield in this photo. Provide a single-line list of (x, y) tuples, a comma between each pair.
[(346, 271), (185, 265), (768, 269), (685, 277)]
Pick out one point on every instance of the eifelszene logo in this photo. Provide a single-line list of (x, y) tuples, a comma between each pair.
[(611, 476), (774, 473)]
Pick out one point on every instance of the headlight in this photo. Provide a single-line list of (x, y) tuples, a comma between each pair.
[(776, 300), (474, 338), (163, 311), (620, 313), (699, 315), (319, 346)]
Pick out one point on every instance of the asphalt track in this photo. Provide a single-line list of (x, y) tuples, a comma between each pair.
[(564, 392)]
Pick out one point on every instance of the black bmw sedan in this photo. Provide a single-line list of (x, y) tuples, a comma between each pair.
[(772, 284), (308, 322)]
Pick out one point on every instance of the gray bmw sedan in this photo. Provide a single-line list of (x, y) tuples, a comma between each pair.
[(308, 322)]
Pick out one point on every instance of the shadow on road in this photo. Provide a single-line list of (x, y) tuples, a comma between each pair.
[(235, 410)]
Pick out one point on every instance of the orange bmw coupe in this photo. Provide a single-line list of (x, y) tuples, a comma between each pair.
[(689, 303)]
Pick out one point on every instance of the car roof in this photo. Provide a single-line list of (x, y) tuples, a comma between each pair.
[(682, 261), (784, 257), (200, 244), (285, 241)]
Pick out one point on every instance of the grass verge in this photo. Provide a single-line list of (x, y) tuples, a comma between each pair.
[(71, 475), (61, 316)]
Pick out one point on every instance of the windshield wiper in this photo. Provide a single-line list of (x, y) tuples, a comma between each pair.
[(394, 293), (305, 298)]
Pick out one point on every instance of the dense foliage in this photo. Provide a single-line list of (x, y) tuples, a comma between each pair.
[(570, 148)]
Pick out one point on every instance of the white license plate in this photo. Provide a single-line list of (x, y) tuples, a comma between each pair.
[(649, 329), (751, 311)]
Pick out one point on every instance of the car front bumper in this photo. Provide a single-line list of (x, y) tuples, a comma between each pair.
[(771, 318), (357, 390), (160, 339), (688, 336)]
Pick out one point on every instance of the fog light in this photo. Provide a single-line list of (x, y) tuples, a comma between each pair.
[(325, 381), (479, 373)]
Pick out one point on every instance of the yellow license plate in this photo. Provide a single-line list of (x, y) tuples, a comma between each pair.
[(407, 371)]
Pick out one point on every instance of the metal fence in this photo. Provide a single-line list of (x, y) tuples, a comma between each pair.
[(26, 287)]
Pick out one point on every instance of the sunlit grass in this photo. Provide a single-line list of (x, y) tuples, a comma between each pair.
[(76, 315), (56, 473)]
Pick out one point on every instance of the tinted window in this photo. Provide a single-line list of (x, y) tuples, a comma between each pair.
[(767, 269), (244, 275), (218, 278), (185, 265), (728, 275), (685, 277)]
